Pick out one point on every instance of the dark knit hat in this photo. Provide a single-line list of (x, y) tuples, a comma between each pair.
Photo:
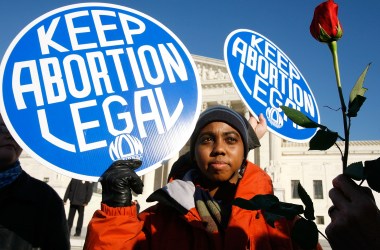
[(231, 117)]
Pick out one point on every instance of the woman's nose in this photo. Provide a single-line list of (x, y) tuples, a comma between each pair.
[(219, 147)]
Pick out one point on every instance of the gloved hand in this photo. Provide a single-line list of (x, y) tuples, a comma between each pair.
[(117, 182)]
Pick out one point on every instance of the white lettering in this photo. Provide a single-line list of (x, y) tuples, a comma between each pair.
[(52, 78), (148, 51), (81, 127), (275, 102), (70, 79), (170, 63), (115, 53), (169, 119), (252, 58), (309, 104), (242, 79), (135, 68), (236, 49), (45, 132), (273, 75), (19, 88), (118, 148), (283, 81), (263, 67), (282, 61), (101, 28), (142, 116), (269, 54), (45, 38), (128, 31), (293, 72), (257, 89), (126, 116), (255, 43), (298, 96), (98, 74), (74, 31)]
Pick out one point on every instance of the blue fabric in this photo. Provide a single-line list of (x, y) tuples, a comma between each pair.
[(10, 175)]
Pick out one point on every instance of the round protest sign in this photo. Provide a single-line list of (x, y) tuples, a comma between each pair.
[(266, 79), (87, 84)]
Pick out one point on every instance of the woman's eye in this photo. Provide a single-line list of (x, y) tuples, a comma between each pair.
[(206, 139), (231, 139)]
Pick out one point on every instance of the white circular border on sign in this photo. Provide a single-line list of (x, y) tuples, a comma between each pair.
[(58, 169)]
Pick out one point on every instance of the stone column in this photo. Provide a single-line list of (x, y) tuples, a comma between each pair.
[(148, 183), (204, 106)]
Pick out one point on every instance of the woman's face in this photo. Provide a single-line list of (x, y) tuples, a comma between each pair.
[(219, 152)]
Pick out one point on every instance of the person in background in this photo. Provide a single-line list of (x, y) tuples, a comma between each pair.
[(32, 215), (79, 193), (194, 210), (355, 217)]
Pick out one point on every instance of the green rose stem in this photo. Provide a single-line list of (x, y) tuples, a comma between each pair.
[(334, 51)]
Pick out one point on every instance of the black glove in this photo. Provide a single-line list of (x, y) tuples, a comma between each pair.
[(117, 182)]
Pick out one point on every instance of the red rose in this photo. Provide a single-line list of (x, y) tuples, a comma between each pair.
[(325, 26)]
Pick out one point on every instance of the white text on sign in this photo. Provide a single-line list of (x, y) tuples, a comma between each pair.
[(276, 75), (55, 77)]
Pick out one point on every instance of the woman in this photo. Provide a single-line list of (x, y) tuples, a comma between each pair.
[(194, 210)]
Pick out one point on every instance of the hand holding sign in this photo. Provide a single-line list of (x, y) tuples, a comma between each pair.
[(118, 181), (260, 126)]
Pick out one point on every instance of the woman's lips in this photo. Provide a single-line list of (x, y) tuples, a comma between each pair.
[(218, 165)]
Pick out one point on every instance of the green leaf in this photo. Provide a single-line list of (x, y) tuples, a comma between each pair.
[(245, 204), (271, 207), (357, 94), (305, 233), (271, 218), (358, 89), (299, 118), (265, 201), (288, 210), (355, 171), (323, 140), (281, 210), (372, 174), (257, 202), (355, 105), (305, 198)]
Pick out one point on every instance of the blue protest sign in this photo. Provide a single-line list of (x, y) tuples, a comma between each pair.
[(87, 84), (266, 79)]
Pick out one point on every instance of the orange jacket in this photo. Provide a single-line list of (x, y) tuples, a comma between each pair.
[(179, 226)]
